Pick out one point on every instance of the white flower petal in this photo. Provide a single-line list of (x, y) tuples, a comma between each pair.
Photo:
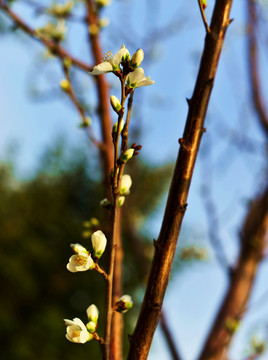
[(102, 68), (145, 82), (118, 56), (136, 75)]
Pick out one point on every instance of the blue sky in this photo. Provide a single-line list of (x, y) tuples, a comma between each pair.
[(190, 303)]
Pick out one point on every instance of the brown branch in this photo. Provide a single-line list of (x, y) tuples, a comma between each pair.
[(253, 66), (253, 239), (103, 94), (54, 47), (165, 246), (114, 322), (168, 336), (79, 108)]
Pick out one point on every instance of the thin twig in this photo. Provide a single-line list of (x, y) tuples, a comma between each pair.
[(78, 106), (169, 338), (203, 16), (54, 47)]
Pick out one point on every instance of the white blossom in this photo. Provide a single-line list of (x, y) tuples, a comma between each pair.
[(76, 331), (80, 262), (111, 63), (99, 241), (126, 183), (137, 78)]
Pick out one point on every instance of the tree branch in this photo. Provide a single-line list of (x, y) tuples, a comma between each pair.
[(54, 47), (165, 246), (168, 337), (253, 66), (253, 239)]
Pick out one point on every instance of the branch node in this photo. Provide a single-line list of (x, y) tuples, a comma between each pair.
[(183, 207)]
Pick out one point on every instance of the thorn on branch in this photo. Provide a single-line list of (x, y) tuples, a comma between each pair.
[(189, 101), (183, 207), (156, 244), (183, 145)]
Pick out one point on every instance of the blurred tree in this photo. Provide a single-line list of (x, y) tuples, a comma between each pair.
[(39, 218)]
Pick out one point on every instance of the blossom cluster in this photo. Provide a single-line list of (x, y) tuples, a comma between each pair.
[(82, 259), (122, 64), (79, 333)]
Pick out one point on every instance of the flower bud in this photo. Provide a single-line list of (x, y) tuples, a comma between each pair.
[(91, 326), (116, 105), (99, 241), (104, 22), (123, 304), (121, 201), (125, 186), (77, 248), (67, 62), (93, 313), (86, 122), (116, 125), (127, 155), (105, 203), (93, 29), (137, 58), (204, 3), (65, 85), (103, 2)]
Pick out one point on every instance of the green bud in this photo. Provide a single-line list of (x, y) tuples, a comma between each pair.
[(116, 125), (116, 105), (121, 201), (91, 326), (127, 155), (104, 202)]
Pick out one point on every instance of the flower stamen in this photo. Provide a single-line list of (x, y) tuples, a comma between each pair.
[(107, 57)]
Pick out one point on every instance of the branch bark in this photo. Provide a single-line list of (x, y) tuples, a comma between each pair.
[(253, 239), (165, 246), (115, 351), (253, 66)]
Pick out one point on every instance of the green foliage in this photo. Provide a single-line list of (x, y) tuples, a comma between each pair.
[(39, 218)]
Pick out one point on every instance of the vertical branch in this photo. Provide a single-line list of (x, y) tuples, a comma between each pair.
[(165, 246), (103, 93), (253, 65), (253, 239), (113, 325)]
